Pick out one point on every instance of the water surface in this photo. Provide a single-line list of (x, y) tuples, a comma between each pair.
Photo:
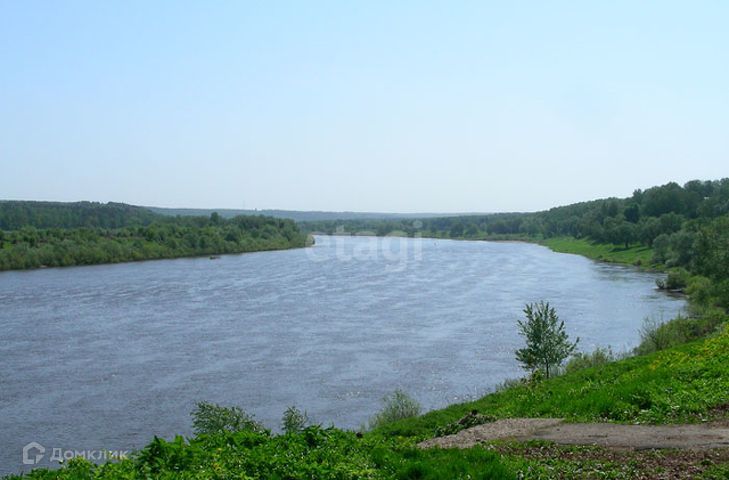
[(108, 356)]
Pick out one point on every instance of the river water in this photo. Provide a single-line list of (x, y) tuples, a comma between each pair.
[(105, 357)]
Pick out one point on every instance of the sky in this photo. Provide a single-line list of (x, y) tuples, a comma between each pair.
[(389, 106)]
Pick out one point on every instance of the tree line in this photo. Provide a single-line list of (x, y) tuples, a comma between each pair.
[(640, 218), (163, 237), (686, 226), (16, 214)]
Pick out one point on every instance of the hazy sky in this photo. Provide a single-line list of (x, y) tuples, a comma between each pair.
[(370, 106)]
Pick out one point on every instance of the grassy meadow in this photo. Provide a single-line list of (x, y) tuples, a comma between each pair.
[(605, 252)]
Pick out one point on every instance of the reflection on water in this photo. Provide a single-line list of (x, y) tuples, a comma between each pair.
[(107, 356)]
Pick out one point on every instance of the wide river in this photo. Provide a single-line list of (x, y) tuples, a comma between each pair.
[(105, 357)]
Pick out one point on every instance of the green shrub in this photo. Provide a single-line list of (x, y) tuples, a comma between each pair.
[(396, 406), (677, 279), (581, 360), (656, 335), (294, 420), (721, 294), (699, 290), (659, 336), (208, 418)]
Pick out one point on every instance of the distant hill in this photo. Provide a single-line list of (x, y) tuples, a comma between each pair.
[(16, 214), (298, 215)]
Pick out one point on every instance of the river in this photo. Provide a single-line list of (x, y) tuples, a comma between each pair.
[(106, 356)]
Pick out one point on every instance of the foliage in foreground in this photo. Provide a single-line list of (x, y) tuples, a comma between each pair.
[(313, 453)]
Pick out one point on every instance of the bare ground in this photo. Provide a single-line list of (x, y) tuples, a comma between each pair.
[(639, 437), (603, 450), (588, 462)]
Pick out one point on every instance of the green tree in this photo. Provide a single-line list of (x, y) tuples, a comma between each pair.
[(294, 420), (632, 213), (547, 342), (209, 418)]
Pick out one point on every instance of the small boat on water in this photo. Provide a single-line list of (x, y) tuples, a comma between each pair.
[(214, 257)]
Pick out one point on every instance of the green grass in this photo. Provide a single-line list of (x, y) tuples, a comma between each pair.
[(682, 384), (314, 453), (634, 255)]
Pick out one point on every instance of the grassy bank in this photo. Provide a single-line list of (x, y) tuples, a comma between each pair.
[(682, 384), (634, 255)]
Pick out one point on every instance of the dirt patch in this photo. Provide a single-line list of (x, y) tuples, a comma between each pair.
[(509, 428), (720, 415), (700, 436), (692, 436), (588, 462)]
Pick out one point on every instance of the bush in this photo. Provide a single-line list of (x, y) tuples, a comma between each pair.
[(700, 290), (658, 336), (581, 360), (677, 279), (294, 420), (396, 406), (208, 418), (652, 337), (721, 294)]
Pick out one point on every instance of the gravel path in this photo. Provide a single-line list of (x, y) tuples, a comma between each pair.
[(691, 436)]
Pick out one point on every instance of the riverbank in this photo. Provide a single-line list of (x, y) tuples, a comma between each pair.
[(637, 255), (681, 385), (684, 384)]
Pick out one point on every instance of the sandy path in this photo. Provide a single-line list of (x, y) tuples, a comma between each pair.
[(692, 436)]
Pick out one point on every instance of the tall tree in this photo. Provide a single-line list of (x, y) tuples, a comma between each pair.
[(547, 342)]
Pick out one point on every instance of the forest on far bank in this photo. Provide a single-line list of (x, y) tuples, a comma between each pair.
[(686, 227), (48, 234)]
